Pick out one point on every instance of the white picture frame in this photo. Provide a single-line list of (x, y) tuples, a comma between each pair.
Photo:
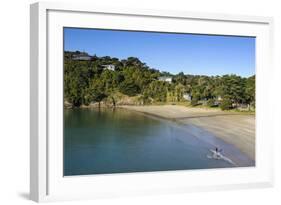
[(46, 179)]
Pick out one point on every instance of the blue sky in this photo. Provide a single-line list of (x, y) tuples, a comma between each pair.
[(189, 53)]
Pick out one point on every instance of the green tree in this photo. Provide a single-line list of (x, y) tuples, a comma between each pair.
[(226, 103), (129, 87), (179, 92), (97, 91), (88, 81), (233, 88), (250, 91)]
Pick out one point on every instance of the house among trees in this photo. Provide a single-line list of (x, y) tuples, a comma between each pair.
[(219, 98), (187, 96), (165, 79), (135, 79), (82, 56), (109, 67)]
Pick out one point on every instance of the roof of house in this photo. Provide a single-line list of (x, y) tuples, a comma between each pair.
[(165, 77), (81, 56)]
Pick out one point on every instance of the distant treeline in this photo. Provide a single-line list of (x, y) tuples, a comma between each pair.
[(90, 81)]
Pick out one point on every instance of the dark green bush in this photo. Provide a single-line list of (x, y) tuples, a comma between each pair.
[(211, 103), (226, 104)]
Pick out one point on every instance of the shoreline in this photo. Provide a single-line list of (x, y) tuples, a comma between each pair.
[(233, 128), (228, 130)]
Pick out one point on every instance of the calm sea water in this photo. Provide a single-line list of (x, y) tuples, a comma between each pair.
[(100, 141)]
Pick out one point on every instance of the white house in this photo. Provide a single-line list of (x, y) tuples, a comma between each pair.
[(165, 79), (187, 96), (109, 67)]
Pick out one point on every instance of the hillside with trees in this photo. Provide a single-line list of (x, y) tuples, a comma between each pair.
[(88, 82)]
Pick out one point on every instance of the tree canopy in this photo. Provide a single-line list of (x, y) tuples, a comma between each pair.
[(89, 81)]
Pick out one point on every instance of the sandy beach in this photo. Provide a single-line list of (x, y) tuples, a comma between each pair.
[(235, 128)]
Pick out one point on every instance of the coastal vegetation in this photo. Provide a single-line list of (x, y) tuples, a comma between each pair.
[(109, 81)]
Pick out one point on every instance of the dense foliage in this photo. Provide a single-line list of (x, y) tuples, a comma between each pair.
[(87, 81)]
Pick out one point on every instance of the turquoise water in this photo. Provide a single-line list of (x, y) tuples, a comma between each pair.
[(102, 141)]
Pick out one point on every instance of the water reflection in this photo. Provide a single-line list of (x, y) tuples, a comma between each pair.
[(117, 140)]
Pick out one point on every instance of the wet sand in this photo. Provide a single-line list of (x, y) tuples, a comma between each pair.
[(237, 129)]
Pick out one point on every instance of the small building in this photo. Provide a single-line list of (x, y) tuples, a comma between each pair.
[(81, 57), (165, 79), (187, 96), (109, 67)]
